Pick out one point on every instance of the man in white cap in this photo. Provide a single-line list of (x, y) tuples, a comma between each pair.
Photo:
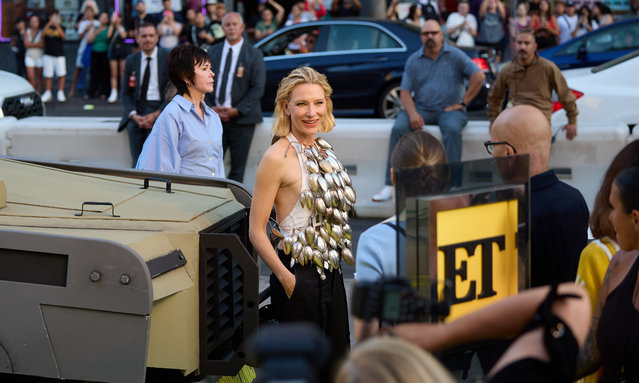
[(567, 22)]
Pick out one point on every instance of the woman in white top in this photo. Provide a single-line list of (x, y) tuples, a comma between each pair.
[(301, 289), (34, 44), (169, 31), (84, 26)]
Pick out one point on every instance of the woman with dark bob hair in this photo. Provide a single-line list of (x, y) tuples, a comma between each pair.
[(187, 136)]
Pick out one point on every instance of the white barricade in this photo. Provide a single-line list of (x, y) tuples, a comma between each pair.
[(6, 124), (361, 144), (583, 161), (86, 140)]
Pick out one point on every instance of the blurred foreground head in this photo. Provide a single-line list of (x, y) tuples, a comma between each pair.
[(391, 360)]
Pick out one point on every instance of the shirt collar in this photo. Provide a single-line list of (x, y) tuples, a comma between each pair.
[(518, 66), (543, 180), (445, 49), (153, 55), (187, 105), (235, 47)]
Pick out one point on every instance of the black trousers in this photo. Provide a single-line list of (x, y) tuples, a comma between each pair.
[(137, 136), (237, 138), (322, 302)]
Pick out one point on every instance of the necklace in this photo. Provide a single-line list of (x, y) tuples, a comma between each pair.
[(327, 237)]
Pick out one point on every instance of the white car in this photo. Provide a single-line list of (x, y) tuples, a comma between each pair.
[(18, 98), (609, 94)]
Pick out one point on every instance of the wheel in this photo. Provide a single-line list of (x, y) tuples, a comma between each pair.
[(389, 104)]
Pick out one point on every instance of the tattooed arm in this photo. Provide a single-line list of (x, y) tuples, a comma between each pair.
[(589, 358)]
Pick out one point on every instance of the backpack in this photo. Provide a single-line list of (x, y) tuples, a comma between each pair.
[(429, 12)]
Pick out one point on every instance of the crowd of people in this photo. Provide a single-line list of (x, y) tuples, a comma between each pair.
[(102, 48), (489, 22)]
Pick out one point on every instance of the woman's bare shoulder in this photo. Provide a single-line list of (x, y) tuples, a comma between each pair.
[(276, 156)]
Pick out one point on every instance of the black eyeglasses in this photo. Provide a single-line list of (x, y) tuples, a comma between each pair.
[(490, 146), (429, 33)]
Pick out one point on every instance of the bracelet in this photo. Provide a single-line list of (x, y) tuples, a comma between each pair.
[(462, 104)]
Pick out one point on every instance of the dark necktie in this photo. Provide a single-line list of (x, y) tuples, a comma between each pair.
[(225, 77), (145, 81)]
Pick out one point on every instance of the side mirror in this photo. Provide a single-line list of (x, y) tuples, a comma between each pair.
[(582, 52)]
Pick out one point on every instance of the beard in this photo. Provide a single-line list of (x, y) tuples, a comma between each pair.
[(430, 43)]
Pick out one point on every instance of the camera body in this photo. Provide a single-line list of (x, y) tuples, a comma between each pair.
[(394, 300)]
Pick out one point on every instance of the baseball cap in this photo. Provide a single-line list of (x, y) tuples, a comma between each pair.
[(570, 3)]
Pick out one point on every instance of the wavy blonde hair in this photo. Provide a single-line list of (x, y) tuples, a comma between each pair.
[(391, 360), (299, 76)]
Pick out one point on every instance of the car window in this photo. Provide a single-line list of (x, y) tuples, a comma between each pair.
[(356, 37), (295, 41), (623, 37), (570, 49)]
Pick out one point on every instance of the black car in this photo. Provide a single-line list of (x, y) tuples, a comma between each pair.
[(362, 59)]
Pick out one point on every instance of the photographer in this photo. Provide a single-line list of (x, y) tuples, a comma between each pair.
[(551, 324), (586, 23)]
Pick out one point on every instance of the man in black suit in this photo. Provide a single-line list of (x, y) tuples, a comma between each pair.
[(239, 85), (143, 86)]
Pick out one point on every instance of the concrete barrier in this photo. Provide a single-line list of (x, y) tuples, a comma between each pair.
[(361, 144), (86, 140)]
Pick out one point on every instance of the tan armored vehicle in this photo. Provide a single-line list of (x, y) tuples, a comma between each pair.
[(105, 273)]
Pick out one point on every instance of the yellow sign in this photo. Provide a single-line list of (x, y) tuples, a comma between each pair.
[(477, 253)]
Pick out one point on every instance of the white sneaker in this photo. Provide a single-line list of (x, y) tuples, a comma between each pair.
[(61, 97), (384, 195), (113, 96), (46, 96)]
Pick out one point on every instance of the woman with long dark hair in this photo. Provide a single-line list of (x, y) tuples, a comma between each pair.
[(545, 26), (613, 340)]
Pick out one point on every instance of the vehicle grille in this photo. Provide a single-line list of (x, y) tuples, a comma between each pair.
[(229, 282), (24, 105)]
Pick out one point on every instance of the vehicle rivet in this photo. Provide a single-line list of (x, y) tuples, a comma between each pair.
[(95, 276), (125, 279)]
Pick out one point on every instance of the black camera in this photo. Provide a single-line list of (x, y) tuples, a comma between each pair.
[(396, 301)]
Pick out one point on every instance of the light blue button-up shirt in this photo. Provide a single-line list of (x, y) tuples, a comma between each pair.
[(181, 142)]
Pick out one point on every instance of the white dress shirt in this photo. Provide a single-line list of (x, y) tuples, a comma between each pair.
[(153, 93), (236, 53)]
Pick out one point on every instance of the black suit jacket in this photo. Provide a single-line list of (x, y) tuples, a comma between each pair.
[(247, 90), (128, 95)]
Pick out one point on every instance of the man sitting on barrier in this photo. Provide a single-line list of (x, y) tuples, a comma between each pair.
[(436, 75)]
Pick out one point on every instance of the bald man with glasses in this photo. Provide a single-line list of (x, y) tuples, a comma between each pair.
[(558, 212), (432, 92)]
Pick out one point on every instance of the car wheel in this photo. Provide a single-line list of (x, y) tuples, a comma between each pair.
[(389, 104)]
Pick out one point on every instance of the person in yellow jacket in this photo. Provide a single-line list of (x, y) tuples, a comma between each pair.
[(595, 257)]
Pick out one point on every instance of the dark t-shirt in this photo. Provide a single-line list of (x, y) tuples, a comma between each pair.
[(53, 42), (558, 229), (19, 38)]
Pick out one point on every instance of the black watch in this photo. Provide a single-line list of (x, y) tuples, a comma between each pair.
[(462, 104)]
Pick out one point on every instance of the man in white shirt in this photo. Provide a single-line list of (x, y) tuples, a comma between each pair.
[(240, 76), (143, 95), (567, 22), (461, 26)]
